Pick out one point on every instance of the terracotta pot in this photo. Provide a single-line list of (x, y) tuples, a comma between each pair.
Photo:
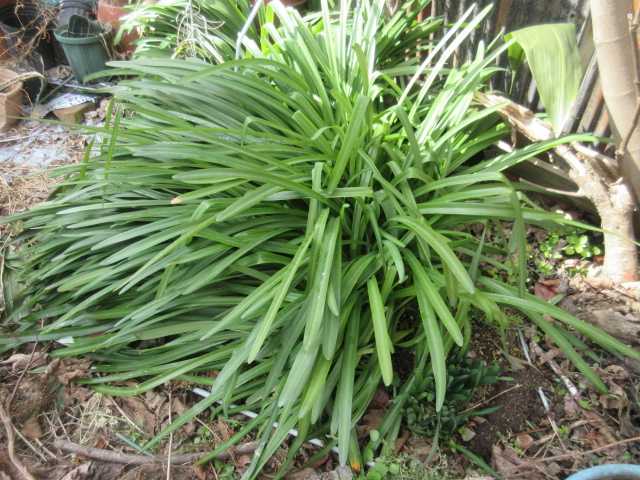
[(10, 100), (110, 11)]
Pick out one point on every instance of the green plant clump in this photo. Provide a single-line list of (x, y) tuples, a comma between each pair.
[(406, 468), (464, 377), (274, 218), (205, 30), (573, 243)]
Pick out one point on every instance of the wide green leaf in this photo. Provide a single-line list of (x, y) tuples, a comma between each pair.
[(551, 52)]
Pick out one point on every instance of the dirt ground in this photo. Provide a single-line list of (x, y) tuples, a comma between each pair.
[(549, 424)]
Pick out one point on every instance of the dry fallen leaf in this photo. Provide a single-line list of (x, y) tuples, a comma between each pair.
[(544, 292), (178, 408), (19, 361), (79, 473), (501, 463), (381, 399), (419, 448), (155, 401), (222, 428), (612, 402), (137, 411), (306, 474), (371, 421), (616, 372), (524, 441), (81, 394), (340, 473), (200, 472), (553, 469), (101, 442), (70, 369), (242, 462), (156, 471), (31, 428), (466, 434)]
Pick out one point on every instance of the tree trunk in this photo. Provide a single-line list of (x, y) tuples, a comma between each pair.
[(616, 65), (616, 215), (592, 173)]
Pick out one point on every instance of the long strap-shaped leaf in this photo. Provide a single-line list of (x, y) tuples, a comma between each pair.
[(432, 331), (381, 330)]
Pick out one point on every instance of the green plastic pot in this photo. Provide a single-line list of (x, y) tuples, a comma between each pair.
[(86, 54)]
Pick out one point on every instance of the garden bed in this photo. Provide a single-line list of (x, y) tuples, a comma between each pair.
[(520, 440), (310, 255)]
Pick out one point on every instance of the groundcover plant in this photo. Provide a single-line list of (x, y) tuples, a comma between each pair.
[(280, 220)]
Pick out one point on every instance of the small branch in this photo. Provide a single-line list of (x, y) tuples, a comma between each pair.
[(523, 120), (488, 400), (571, 388), (125, 416), (128, 459), (566, 456), (15, 461), (42, 456), (573, 455), (24, 371), (610, 164)]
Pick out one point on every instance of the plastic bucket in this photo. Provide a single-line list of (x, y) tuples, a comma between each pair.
[(608, 472), (86, 55), (68, 8)]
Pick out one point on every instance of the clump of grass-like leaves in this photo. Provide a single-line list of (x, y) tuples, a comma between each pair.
[(274, 218), (188, 28)]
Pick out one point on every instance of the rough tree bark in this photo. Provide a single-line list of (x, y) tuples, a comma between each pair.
[(618, 75), (597, 179)]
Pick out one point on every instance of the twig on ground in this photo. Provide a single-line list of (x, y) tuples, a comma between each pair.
[(15, 138), (484, 402), (547, 409), (22, 374), (42, 456), (523, 345), (126, 417), (64, 429), (118, 457), (46, 450), (570, 455), (15, 461), (571, 388), (566, 456), (556, 432)]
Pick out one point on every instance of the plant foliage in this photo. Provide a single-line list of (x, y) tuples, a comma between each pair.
[(188, 28), (272, 219), (464, 377), (552, 53)]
